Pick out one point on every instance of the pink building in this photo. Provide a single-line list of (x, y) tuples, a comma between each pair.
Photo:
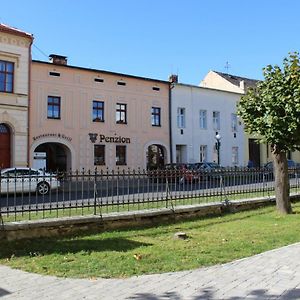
[(86, 118)]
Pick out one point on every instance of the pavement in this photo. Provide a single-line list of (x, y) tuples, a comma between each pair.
[(271, 275)]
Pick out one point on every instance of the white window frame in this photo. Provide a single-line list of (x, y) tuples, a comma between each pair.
[(235, 156), (216, 120), (203, 153), (181, 117), (234, 123), (203, 119)]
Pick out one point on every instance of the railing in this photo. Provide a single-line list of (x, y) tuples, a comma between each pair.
[(99, 192)]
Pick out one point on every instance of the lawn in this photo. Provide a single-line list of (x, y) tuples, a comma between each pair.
[(138, 251)]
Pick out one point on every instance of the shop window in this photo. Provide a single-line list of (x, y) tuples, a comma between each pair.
[(121, 113), (99, 155), (6, 76), (98, 111), (120, 155), (155, 116), (53, 111)]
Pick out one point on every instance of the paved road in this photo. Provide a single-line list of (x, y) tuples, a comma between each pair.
[(271, 275)]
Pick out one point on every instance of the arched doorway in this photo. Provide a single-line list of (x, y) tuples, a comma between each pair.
[(58, 156), (155, 157), (4, 146)]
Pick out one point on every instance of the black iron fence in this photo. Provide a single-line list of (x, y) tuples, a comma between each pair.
[(38, 194)]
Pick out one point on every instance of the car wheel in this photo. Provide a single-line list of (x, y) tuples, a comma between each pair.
[(43, 188)]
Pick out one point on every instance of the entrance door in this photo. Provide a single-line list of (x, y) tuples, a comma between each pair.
[(156, 158), (4, 146), (254, 152)]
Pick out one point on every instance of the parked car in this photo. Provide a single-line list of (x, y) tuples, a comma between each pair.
[(207, 166), (207, 171), (19, 180), (269, 169)]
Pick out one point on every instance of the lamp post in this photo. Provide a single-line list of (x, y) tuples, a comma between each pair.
[(218, 145)]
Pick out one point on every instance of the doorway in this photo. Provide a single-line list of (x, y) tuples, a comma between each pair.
[(5, 141)]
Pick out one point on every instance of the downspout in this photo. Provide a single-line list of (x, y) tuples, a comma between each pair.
[(28, 107), (171, 86)]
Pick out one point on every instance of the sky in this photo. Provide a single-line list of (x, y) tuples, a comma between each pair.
[(156, 38)]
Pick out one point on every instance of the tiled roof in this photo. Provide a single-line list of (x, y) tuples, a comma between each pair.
[(237, 79), (15, 31)]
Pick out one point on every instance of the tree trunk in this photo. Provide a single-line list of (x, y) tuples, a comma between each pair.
[(282, 185)]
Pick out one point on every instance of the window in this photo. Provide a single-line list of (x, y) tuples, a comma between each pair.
[(121, 117), (120, 155), (233, 122), (98, 80), (155, 116), (181, 117), (235, 155), (203, 153), (98, 111), (203, 119), (53, 107), (216, 120), (56, 74), (155, 88), (99, 155), (6, 76), (121, 83)]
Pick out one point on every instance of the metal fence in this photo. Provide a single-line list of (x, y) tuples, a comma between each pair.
[(43, 195)]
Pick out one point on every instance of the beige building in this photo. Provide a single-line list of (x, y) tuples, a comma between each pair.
[(86, 118), (15, 57)]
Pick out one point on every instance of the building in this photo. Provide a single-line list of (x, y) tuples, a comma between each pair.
[(198, 116), (87, 118), (15, 57), (255, 152)]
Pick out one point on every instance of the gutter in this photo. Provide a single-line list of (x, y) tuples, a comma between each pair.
[(29, 105)]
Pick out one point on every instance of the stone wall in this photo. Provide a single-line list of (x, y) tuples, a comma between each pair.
[(86, 224)]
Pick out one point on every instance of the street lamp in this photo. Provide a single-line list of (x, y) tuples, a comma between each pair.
[(218, 145)]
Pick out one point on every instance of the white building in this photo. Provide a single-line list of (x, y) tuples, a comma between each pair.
[(198, 115)]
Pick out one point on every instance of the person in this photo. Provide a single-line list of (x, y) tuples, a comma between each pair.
[(250, 164)]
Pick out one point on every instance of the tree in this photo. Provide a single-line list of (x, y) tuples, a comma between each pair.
[(271, 110)]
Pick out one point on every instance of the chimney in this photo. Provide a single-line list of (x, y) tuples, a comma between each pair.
[(173, 78), (58, 59), (242, 85)]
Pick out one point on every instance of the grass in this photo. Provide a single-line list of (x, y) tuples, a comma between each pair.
[(138, 251)]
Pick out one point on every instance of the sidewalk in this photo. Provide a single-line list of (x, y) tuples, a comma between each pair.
[(270, 275)]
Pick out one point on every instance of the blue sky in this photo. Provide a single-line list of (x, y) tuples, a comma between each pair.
[(154, 38)]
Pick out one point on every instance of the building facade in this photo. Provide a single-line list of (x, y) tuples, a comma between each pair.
[(85, 118), (198, 116), (15, 57)]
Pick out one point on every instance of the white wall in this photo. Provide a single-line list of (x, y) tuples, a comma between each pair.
[(194, 99)]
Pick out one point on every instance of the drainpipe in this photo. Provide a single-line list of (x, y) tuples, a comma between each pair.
[(29, 96), (171, 86)]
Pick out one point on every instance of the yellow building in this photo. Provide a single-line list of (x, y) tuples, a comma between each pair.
[(15, 57)]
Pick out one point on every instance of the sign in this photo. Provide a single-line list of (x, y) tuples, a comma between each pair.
[(56, 135), (108, 139)]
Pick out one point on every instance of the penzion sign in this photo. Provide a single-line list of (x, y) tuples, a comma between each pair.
[(108, 139)]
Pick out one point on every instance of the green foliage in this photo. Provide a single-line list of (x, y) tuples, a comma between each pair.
[(154, 250), (272, 109)]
